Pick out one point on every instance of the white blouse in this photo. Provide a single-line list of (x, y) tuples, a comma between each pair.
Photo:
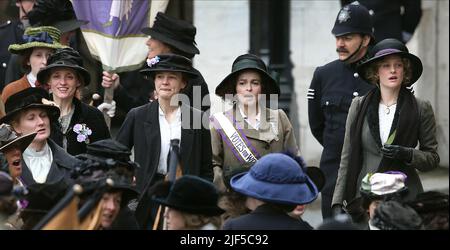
[(385, 117), (31, 79), (39, 163), (168, 132)]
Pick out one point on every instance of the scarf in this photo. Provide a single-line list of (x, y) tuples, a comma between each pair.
[(406, 125)]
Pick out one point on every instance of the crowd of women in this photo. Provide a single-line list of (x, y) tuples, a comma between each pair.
[(237, 169)]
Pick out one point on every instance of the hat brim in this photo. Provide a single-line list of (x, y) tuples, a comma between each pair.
[(416, 65), (280, 193), (22, 142), (152, 71), (44, 74), (69, 25), (52, 111), (317, 176), (190, 49), (191, 208), (19, 48), (224, 87)]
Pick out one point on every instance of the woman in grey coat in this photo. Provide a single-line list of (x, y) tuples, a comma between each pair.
[(384, 127)]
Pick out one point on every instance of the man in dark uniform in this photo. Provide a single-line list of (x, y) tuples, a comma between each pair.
[(332, 88), (393, 18)]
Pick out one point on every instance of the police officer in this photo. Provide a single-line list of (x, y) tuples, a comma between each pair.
[(393, 18), (332, 88)]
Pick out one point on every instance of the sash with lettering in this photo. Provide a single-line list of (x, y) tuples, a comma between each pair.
[(235, 139)]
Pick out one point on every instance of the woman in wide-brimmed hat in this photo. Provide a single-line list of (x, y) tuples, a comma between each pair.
[(249, 129), (150, 128), (80, 123), (110, 159), (43, 161), (274, 186), (12, 147), (191, 205), (384, 127), (40, 42)]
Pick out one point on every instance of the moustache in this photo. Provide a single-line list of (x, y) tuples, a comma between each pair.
[(341, 50)]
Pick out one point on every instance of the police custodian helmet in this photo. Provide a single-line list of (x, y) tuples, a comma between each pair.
[(353, 18)]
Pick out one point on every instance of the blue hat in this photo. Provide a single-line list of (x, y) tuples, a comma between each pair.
[(276, 178), (353, 18)]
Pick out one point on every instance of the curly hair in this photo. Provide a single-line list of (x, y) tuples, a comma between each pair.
[(371, 74)]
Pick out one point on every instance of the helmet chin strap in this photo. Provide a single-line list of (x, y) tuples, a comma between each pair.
[(347, 60)]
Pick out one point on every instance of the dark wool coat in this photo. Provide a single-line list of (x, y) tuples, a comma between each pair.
[(61, 167)]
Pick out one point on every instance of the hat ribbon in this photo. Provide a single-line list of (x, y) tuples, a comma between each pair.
[(387, 51), (40, 37)]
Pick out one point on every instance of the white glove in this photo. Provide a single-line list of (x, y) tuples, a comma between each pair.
[(110, 108)]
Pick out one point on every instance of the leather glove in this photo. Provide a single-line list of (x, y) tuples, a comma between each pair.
[(110, 108), (337, 209), (397, 152)]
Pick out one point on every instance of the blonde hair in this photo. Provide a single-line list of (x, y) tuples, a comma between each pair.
[(371, 74)]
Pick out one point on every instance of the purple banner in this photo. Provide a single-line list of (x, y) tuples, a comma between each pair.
[(116, 18)]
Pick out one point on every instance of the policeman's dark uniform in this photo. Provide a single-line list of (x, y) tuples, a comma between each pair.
[(332, 89), (10, 33), (393, 18)]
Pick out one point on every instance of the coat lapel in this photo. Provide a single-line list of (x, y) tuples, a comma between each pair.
[(187, 137), (26, 177), (56, 172), (151, 130)]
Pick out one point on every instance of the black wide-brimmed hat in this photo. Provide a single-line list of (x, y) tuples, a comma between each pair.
[(112, 161), (175, 32), (57, 13), (245, 62), (9, 138), (169, 62), (353, 19), (26, 99), (393, 215), (193, 195), (64, 58), (387, 47)]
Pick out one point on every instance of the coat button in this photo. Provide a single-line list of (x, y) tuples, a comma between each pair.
[(4, 65), (8, 22), (267, 147), (355, 94), (327, 103), (371, 12), (356, 75)]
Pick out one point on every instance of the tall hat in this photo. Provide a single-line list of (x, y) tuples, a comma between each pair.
[(169, 62), (391, 46), (353, 18), (9, 138), (29, 98), (43, 36), (175, 32), (64, 58), (191, 194), (58, 13), (244, 62), (276, 178)]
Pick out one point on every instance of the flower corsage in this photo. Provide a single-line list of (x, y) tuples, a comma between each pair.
[(83, 132)]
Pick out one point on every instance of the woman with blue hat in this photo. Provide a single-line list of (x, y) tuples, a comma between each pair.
[(274, 186), (384, 127), (249, 129)]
